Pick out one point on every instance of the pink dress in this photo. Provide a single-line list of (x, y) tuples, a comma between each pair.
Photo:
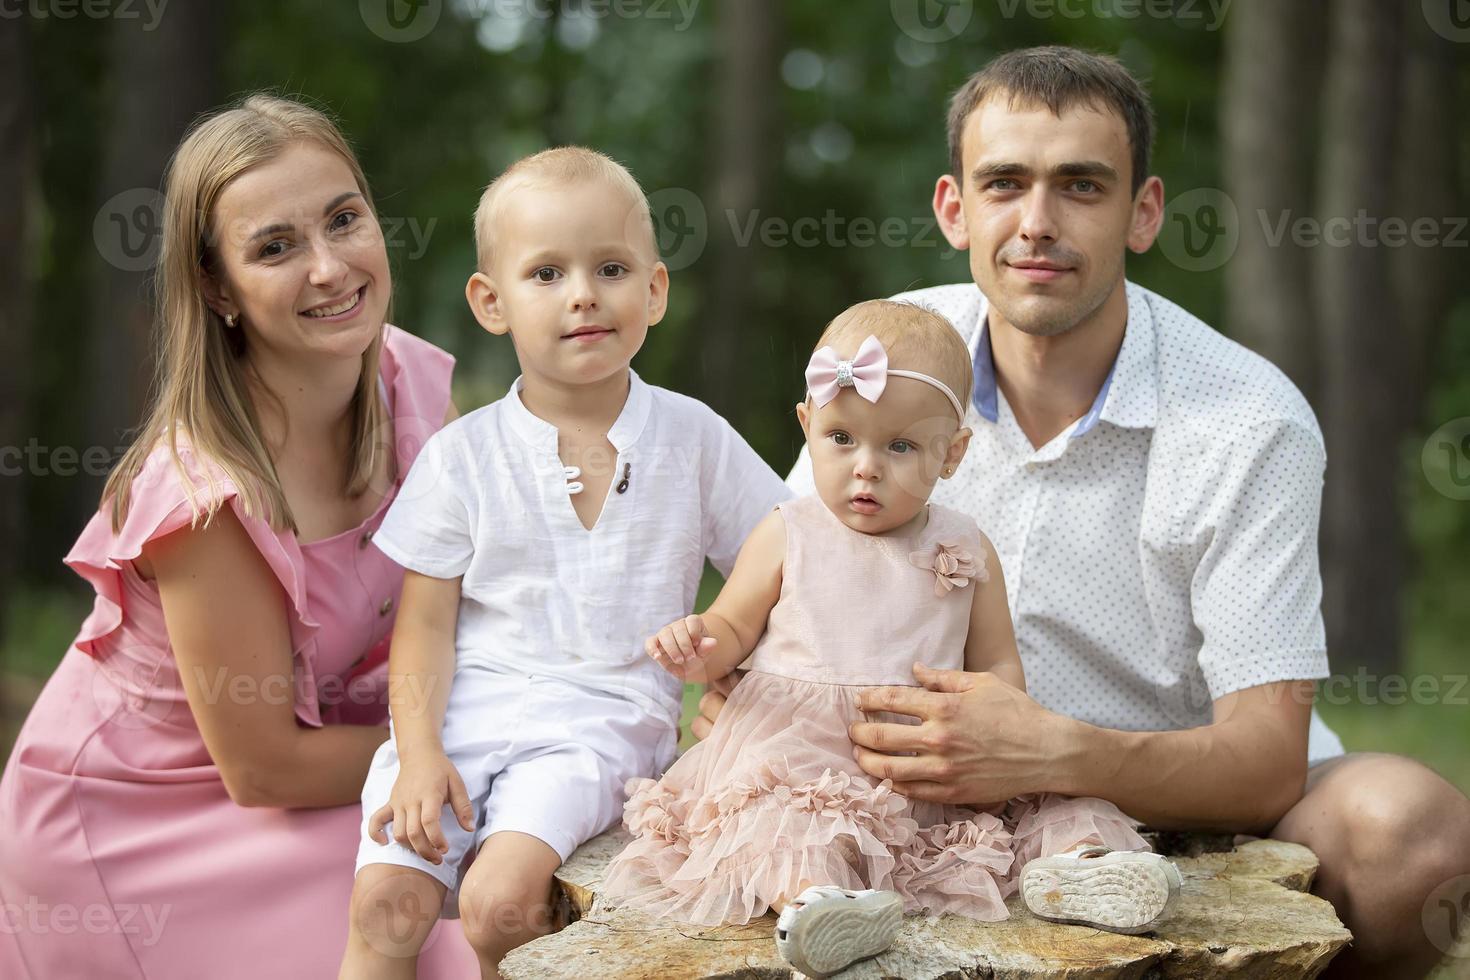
[(773, 797), (122, 856)]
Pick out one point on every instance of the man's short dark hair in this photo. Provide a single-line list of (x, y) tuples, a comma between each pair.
[(1059, 78)]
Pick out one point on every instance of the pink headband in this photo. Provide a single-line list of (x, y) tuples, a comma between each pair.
[(867, 373)]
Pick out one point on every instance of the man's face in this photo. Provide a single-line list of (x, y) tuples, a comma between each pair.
[(1047, 213)]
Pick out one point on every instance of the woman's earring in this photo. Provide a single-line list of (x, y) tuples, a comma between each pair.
[(230, 320)]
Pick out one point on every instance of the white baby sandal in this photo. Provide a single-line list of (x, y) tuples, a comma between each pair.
[(1120, 891), (826, 928)]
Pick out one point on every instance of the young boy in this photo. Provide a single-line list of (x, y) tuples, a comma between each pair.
[(545, 536)]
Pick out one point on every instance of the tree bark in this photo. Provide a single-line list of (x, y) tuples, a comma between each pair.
[(1269, 99), (18, 175), (1363, 356), (1427, 187), (162, 80), (743, 166)]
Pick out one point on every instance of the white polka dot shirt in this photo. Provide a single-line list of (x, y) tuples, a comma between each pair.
[(1160, 552)]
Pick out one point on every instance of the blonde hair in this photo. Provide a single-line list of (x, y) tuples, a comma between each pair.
[(199, 386), (915, 337), (560, 165)]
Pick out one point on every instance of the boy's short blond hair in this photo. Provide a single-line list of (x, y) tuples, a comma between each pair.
[(559, 165), (915, 337)]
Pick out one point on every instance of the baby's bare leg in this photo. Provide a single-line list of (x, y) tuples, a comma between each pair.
[(505, 899), (393, 910), (779, 903)]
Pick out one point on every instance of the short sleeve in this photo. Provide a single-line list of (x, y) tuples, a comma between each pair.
[(419, 376), (1256, 593), (801, 481), (738, 489), (160, 505), (429, 528)]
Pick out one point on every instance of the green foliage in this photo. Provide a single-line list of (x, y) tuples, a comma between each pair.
[(857, 135)]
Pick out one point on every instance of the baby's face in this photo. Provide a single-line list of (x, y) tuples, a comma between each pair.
[(876, 464), (573, 283)]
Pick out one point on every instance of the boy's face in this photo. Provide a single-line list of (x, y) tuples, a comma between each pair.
[(573, 281), (875, 464)]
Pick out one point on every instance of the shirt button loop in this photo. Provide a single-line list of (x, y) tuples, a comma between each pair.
[(386, 607), (367, 536)]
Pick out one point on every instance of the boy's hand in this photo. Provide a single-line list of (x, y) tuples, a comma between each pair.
[(419, 794), (680, 645)]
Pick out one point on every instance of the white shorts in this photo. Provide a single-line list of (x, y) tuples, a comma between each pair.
[(558, 756)]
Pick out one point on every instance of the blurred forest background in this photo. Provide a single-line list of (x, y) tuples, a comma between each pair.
[(1314, 155)]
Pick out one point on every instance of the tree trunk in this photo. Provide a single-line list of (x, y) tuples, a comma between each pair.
[(162, 80), (1424, 275), (743, 164), (18, 176), (1364, 367), (1272, 72)]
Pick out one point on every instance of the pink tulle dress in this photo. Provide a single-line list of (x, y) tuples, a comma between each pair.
[(774, 798)]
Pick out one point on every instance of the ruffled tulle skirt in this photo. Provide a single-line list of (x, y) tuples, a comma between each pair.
[(774, 799)]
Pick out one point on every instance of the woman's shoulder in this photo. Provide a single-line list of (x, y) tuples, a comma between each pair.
[(417, 375), (174, 487)]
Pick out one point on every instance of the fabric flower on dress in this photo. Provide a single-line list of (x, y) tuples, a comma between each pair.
[(953, 567)]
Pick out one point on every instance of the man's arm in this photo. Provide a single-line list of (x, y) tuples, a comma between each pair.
[(1241, 772), (982, 741)]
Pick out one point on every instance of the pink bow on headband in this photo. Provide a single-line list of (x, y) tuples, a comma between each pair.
[(867, 372)]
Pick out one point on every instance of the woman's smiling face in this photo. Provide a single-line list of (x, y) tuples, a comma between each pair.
[(299, 256)]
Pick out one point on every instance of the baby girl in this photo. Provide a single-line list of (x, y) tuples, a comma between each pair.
[(832, 593)]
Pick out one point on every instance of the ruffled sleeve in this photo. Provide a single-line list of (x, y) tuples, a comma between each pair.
[(159, 506), (417, 374)]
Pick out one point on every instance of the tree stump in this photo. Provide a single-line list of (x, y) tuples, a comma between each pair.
[(1244, 912)]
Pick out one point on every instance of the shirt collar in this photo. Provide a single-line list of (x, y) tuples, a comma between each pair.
[(1129, 394), (624, 432)]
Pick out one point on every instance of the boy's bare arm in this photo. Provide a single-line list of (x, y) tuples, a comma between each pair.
[(421, 661)]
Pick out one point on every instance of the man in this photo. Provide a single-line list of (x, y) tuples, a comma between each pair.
[(1153, 491)]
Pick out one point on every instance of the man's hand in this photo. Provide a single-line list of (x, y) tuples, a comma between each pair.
[(713, 702), (979, 740)]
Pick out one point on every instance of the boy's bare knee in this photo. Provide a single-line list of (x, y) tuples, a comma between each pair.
[(507, 894), (394, 908)]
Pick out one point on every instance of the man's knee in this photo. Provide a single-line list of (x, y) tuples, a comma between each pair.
[(1368, 812)]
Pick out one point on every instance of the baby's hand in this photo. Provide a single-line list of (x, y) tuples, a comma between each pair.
[(680, 645)]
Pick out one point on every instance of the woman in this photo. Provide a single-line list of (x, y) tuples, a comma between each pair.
[(183, 800)]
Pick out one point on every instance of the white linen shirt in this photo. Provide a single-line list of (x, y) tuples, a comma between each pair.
[(1161, 552), (542, 595)]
